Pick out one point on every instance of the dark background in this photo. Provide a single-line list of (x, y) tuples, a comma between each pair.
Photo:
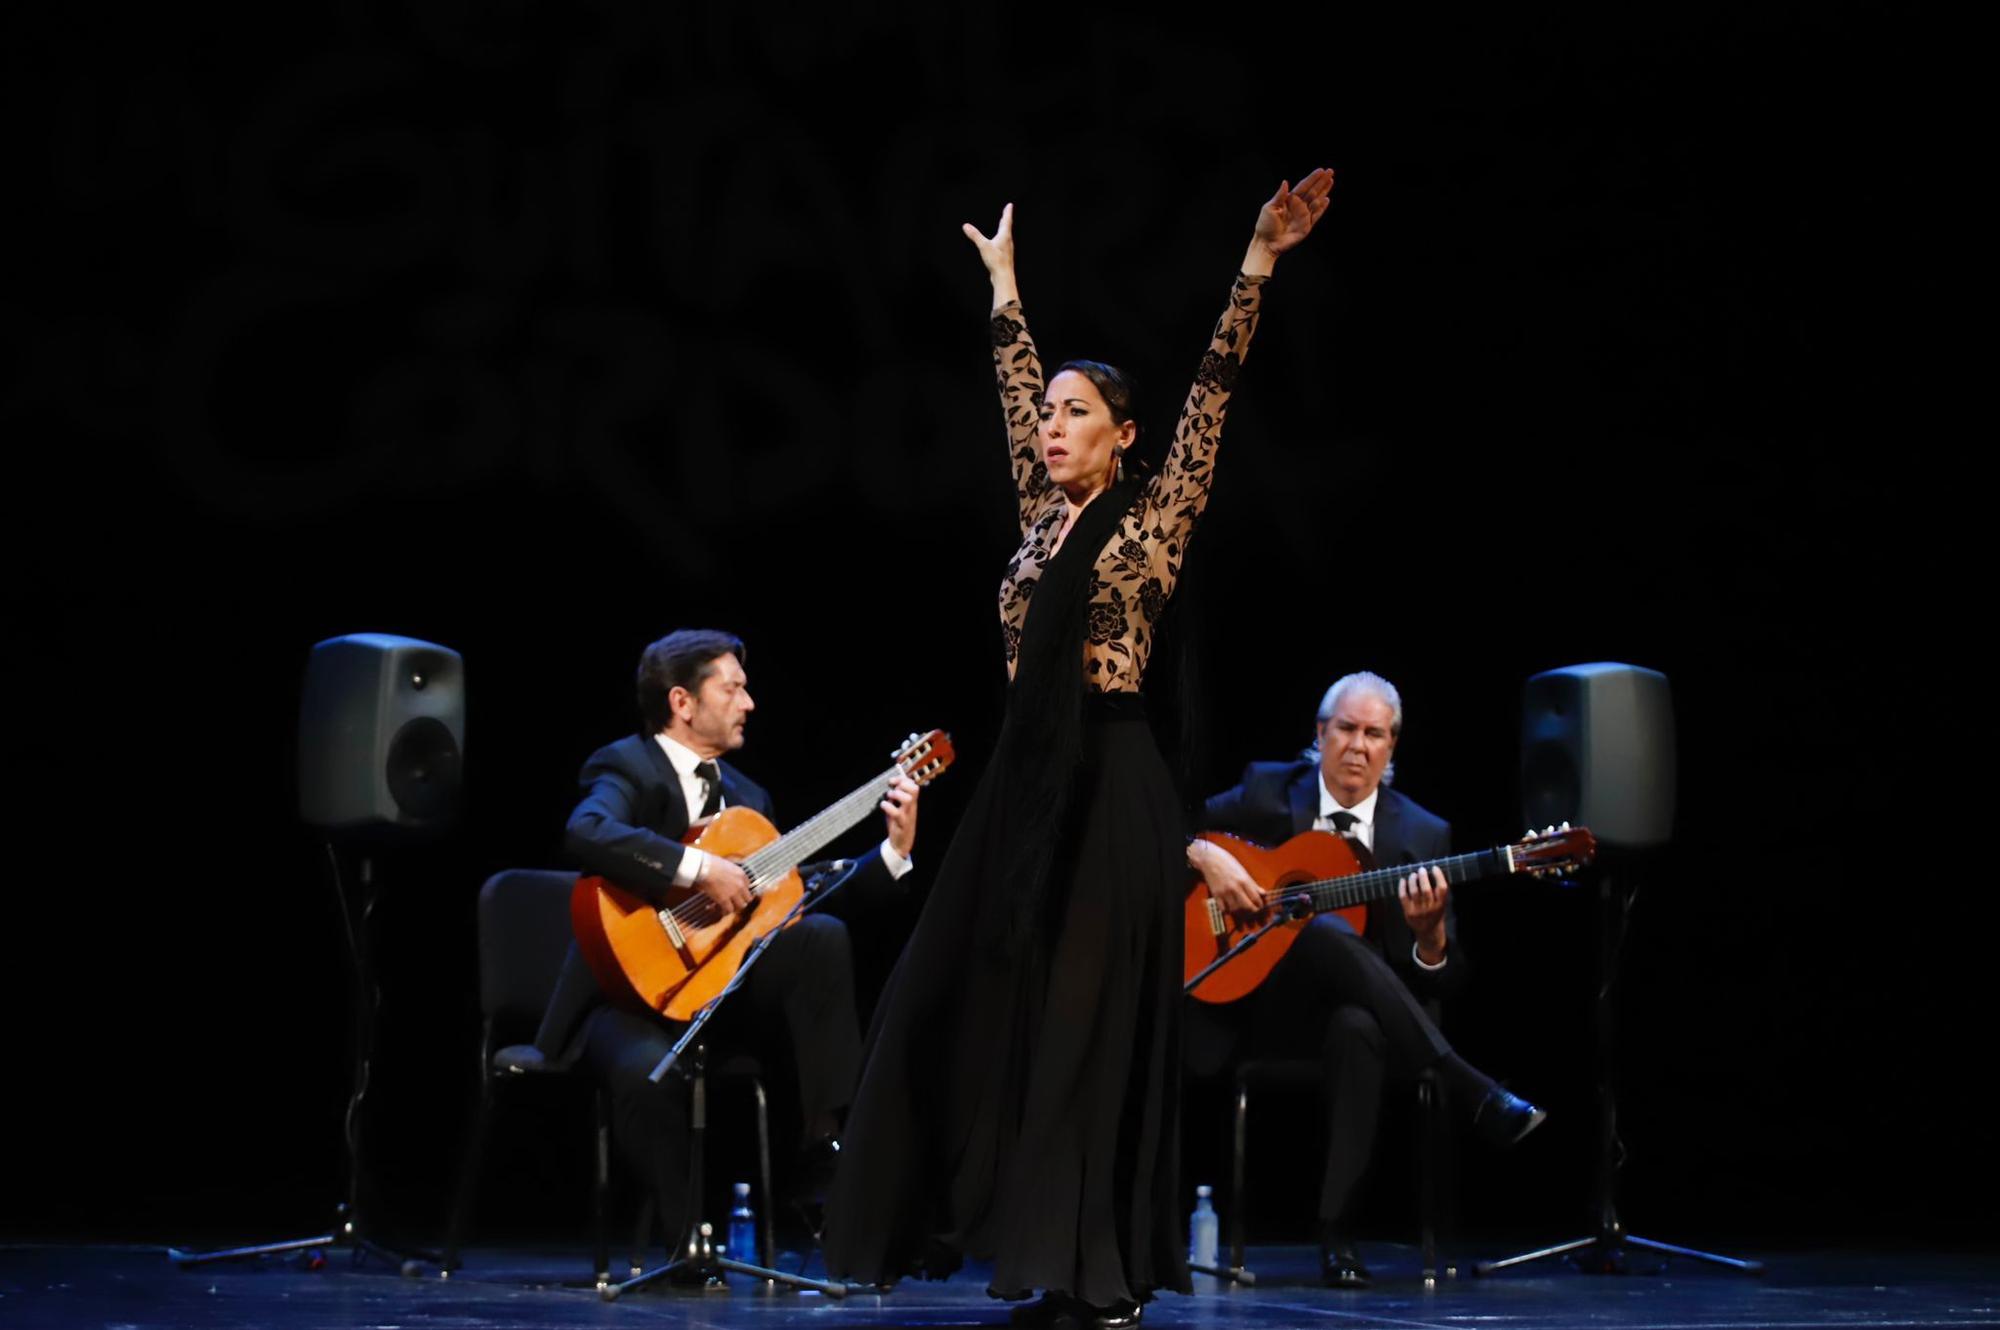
[(538, 330)]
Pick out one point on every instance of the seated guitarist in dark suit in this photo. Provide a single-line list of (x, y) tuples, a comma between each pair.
[(1353, 1002), (640, 796)]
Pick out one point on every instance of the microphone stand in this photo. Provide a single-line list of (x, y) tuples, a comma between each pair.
[(1292, 910), (697, 1258), (1289, 910)]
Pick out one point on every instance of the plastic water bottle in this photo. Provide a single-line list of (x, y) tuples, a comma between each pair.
[(1204, 1229), (742, 1227)]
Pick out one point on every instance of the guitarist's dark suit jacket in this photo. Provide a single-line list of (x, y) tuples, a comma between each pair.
[(798, 1001), (1355, 1004)]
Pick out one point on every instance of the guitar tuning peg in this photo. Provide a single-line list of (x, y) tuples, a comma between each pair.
[(1564, 827)]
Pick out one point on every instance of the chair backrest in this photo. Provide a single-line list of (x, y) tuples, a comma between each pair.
[(524, 934)]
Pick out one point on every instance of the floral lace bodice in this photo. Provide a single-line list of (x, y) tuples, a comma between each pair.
[(1137, 570)]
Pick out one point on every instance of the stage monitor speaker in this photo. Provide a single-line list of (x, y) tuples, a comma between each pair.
[(1597, 751), (381, 730)]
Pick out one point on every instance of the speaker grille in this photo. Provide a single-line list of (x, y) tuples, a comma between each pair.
[(423, 769)]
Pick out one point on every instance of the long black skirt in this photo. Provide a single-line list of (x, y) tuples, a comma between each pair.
[(1023, 1108)]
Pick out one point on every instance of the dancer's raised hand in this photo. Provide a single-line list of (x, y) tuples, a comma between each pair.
[(997, 253), (1289, 217)]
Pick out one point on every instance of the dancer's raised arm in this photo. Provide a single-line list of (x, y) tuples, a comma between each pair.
[(1181, 491), (1017, 368)]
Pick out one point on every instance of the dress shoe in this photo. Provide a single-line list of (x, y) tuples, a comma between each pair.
[(1118, 1316), (1340, 1265), (1502, 1119), (814, 1176), (1049, 1309)]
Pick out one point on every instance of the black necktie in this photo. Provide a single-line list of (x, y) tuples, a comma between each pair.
[(711, 781), (1342, 820)]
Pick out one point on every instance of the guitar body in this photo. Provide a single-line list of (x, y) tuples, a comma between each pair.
[(634, 955), (1210, 930)]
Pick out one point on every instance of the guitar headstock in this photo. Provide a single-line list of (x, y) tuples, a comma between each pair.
[(923, 757), (1553, 851)]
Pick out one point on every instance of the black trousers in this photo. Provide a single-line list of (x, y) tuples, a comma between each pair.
[(1332, 999), (796, 1005)]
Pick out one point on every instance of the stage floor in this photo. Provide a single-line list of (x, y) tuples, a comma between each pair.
[(75, 1287)]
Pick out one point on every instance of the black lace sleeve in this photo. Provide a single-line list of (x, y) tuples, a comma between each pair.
[(1018, 370)]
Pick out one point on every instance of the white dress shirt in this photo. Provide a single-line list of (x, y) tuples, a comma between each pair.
[(1363, 829)]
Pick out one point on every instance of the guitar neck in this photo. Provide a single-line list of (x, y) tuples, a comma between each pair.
[(814, 834), (1340, 893)]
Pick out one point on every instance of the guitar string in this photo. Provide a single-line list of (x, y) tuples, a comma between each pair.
[(1361, 886), (1373, 878), (759, 862)]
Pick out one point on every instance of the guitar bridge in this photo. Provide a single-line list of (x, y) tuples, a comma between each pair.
[(1216, 923), (678, 938)]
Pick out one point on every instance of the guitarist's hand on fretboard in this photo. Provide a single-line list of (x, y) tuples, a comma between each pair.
[(1229, 883), (900, 804), (1423, 895)]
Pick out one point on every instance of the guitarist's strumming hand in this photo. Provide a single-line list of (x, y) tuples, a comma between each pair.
[(724, 882), (1229, 883), (1423, 895)]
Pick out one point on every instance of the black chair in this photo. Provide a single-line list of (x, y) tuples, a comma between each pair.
[(1433, 1151), (524, 935)]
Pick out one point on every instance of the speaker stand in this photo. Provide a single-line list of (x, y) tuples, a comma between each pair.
[(348, 1232), (1608, 1250)]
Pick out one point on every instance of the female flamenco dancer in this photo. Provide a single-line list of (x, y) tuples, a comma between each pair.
[(1019, 1099)]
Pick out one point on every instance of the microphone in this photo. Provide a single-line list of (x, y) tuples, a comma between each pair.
[(815, 873)]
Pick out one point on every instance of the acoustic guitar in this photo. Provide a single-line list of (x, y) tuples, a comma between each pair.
[(673, 959), (1317, 872)]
